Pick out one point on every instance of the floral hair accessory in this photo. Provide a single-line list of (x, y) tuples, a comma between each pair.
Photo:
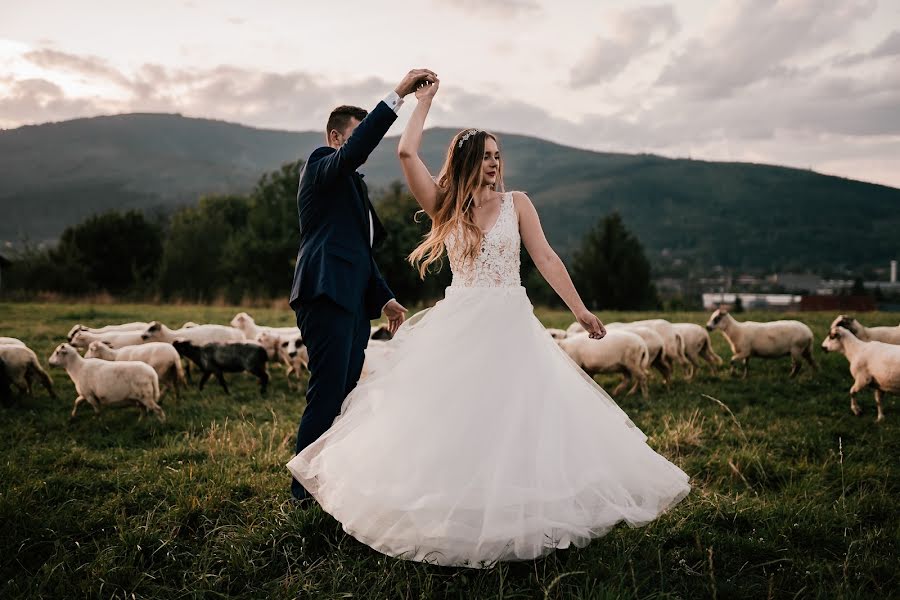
[(469, 134)]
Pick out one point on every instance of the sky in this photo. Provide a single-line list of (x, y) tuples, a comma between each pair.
[(806, 83)]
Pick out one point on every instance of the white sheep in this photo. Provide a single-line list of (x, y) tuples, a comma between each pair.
[(162, 356), (100, 382), (135, 326), (199, 335), (251, 330), (272, 343), (888, 335), (697, 345), (674, 345), (297, 355), (872, 364), (114, 339), (765, 340), (9, 341), (559, 334), (655, 347), (22, 367), (619, 351)]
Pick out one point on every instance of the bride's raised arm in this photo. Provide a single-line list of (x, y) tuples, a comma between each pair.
[(419, 180)]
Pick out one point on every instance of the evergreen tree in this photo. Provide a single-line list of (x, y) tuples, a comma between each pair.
[(610, 269)]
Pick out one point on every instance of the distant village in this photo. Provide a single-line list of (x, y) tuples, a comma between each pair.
[(787, 291)]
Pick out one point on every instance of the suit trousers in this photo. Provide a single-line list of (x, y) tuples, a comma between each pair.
[(336, 340)]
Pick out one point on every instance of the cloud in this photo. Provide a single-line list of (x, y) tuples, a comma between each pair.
[(89, 66), (889, 46), (632, 33), (494, 8), (38, 100), (753, 40)]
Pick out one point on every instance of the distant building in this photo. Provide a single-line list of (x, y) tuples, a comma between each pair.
[(712, 300)]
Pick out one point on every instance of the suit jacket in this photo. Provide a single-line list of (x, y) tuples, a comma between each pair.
[(335, 257)]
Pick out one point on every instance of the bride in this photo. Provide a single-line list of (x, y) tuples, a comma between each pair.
[(475, 438)]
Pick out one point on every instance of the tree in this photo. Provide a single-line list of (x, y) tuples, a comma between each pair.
[(118, 252), (610, 269), (397, 210)]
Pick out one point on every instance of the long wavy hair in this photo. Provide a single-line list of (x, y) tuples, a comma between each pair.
[(457, 182)]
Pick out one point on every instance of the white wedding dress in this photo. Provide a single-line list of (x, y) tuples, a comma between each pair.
[(475, 438)]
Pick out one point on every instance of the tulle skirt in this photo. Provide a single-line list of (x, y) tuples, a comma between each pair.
[(475, 438)]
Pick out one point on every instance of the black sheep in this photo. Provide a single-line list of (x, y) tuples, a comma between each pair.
[(217, 358)]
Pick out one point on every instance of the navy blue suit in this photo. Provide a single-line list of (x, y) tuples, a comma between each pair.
[(337, 286)]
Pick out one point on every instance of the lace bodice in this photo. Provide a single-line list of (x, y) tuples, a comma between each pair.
[(498, 263)]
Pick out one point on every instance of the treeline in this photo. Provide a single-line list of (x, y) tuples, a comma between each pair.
[(242, 248)]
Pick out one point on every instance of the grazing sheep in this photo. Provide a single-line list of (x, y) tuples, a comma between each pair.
[(872, 364), (619, 351), (380, 332), (765, 340), (163, 357), (673, 344), (697, 345), (245, 323), (655, 347), (271, 342), (8, 341), (235, 357), (558, 334), (100, 382), (22, 367), (135, 326), (114, 339), (297, 355), (888, 335), (201, 334)]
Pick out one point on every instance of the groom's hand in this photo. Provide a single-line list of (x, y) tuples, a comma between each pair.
[(414, 79), (396, 313)]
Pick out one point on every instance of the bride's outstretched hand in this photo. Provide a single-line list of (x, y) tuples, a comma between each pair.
[(427, 89), (591, 324)]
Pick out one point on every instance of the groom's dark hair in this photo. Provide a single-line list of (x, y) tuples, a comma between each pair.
[(340, 118)]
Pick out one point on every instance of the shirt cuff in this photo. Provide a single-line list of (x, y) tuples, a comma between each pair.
[(386, 303), (394, 100)]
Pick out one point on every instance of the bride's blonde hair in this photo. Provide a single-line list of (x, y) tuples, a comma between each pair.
[(457, 182)]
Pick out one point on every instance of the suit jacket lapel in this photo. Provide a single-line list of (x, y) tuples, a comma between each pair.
[(378, 228)]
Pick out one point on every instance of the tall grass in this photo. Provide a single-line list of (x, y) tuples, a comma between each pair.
[(794, 497)]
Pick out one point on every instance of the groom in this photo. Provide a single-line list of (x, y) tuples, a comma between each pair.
[(337, 286)]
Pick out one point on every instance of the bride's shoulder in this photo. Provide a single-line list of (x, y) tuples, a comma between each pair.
[(519, 199)]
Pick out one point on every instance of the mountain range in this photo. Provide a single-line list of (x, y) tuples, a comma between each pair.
[(703, 213)]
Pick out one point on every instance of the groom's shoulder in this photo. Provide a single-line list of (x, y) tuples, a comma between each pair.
[(320, 152)]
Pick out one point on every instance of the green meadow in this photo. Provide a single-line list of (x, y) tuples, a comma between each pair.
[(794, 497)]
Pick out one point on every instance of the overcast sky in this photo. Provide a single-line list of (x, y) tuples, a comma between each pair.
[(807, 83)]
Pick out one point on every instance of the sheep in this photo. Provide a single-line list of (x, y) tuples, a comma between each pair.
[(696, 345), (272, 343), (619, 351), (574, 328), (135, 326), (558, 334), (201, 334), (115, 339), (100, 382), (22, 367), (162, 356), (297, 355), (872, 364), (765, 340), (655, 347), (8, 341), (888, 335), (217, 358), (245, 323), (672, 343)]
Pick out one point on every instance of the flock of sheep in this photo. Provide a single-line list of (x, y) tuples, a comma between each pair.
[(133, 363), (634, 348)]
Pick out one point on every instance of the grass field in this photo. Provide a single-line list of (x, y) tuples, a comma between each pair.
[(793, 497)]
